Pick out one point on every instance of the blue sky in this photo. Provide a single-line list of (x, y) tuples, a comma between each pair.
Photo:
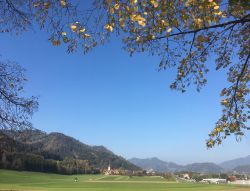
[(108, 98)]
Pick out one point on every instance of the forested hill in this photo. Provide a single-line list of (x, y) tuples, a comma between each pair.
[(55, 152)]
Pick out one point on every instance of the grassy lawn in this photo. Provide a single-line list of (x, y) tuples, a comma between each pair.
[(12, 180)]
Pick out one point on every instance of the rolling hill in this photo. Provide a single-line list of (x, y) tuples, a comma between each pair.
[(53, 149), (203, 168), (245, 169), (231, 164)]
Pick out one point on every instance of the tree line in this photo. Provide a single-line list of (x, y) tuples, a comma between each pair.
[(37, 163)]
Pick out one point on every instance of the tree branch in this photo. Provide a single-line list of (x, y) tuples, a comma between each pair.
[(237, 83), (239, 21)]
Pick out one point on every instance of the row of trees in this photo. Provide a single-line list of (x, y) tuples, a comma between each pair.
[(31, 162)]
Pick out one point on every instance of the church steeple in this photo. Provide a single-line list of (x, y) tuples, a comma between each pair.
[(109, 167)]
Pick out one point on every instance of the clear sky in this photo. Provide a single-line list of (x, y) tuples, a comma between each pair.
[(108, 98)]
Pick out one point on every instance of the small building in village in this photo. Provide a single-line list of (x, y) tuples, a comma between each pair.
[(214, 181)]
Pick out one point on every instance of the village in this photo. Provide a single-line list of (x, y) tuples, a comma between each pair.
[(214, 178), (190, 177)]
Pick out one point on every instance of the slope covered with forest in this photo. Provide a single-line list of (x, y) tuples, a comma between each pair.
[(55, 152)]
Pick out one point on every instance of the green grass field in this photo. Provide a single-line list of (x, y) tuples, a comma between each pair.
[(27, 181)]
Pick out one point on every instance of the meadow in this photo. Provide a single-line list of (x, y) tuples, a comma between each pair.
[(31, 181)]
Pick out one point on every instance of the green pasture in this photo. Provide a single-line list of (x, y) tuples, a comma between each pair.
[(31, 181)]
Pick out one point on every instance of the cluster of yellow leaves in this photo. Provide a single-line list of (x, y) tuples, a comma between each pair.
[(210, 143), (46, 5), (75, 28), (109, 27), (139, 19), (154, 3), (225, 102), (235, 108), (147, 19), (80, 30)]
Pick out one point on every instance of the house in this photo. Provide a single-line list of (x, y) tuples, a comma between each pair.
[(186, 176), (150, 172), (214, 181), (231, 178)]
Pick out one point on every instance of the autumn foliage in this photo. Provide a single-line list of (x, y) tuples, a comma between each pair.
[(185, 34)]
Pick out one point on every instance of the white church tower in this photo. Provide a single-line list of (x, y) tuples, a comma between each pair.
[(109, 167)]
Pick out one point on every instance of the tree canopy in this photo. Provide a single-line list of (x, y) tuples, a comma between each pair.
[(185, 34)]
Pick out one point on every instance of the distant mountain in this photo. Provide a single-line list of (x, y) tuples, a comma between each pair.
[(53, 149), (162, 166), (203, 168), (231, 164), (155, 164), (245, 169)]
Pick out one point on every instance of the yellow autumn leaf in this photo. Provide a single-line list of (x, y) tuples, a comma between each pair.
[(73, 28), (122, 23), (86, 35), (141, 23), (218, 13), (82, 30), (36, 4), (225, 101), (216, 7), (111, 10), (151, 37), (46, 5), (133, 17), (169, 30), (154, 3), (117, 6), (248, 76), (63, 3), (133, 2), (109, 27)]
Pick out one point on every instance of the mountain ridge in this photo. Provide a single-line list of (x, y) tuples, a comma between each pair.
[(155, 164), (204, 167), (231, 164)]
